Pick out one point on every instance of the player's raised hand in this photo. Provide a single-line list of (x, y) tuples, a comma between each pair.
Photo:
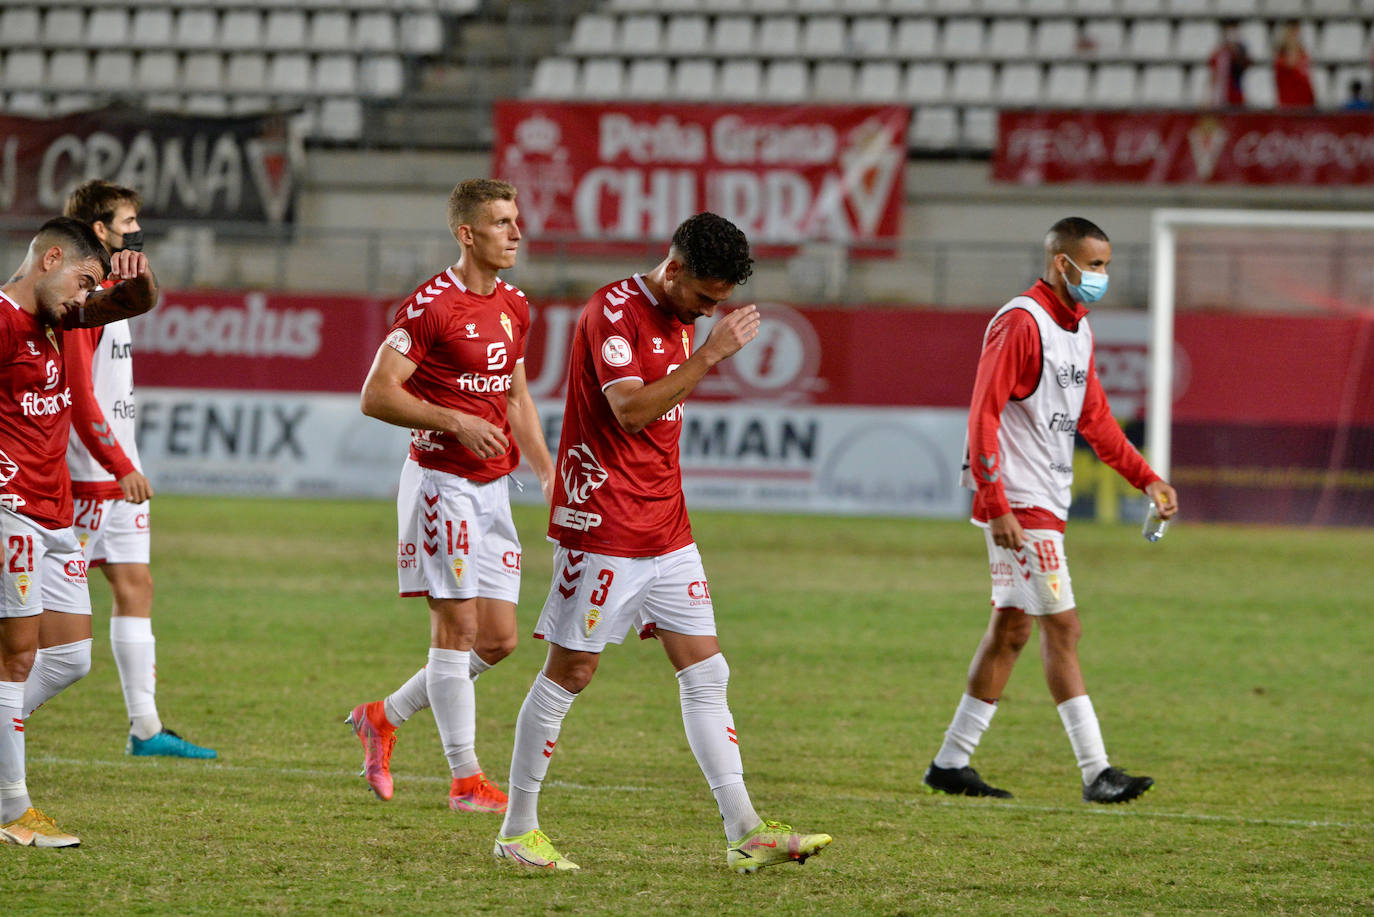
[(127, 265), (484, 439), (732, 332)]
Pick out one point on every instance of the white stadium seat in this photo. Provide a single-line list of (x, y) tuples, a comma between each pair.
[(106, 27), (284, 30), (64, 26), (1067, 84), (741, 79), (647, 79), (871, 36), (247, 72), (1150, 39), (779, 35), (196, 29), (375, 31), (915, 39), (686, 35), (157, 71), (330, 30), (1341, 41), (1056, 38), (593, 33), (152, 27), (554, 78), (833, 81), (20, 26), (1196, 40), (1114, 86), (422, 33), (733, 35), (1258, 85), (1009, 39), (879, 81), (1019, 84), (1164, 86), (25, 70), (925, 82), (288, 73), (239, 30), (339, 119), (694, 79), (113, 68), (962, 38), (335, 74), (785, 81), (602, 78), (935, 127), (203, 71), (824, 36), (69, 70), (383, 76), (1104, 38), (641, 35), (971, 83), (978, 128)]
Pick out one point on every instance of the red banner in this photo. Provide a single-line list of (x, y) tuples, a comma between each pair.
[(623, 175), (1252, 148)]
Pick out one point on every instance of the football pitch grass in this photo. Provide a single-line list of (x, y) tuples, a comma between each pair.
[(1233, 664)]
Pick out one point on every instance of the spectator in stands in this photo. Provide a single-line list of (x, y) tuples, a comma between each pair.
[(1292, 70), (1356, 99), (1228, 63)]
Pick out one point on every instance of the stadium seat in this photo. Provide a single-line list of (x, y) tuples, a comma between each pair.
[(871, 36), (1327, 8), (1009, 39), (640, 35), (602, 78), (833, 81), (1150, 39), (1322, 90), (195, 28), (971, 83), (422, 33), (647, 79), (339, 119), (780, 36), (1254, 34), (203, 71), (335, 74), (906, 7), (105, 27), (785, 81), (66, 103), (156, 71), (383, 76), (25, 69), (1056, 39), (375, 32), (113, 68), (1104, 38), (288, 73), (878, 81), (1258, 85), (686, 35), (694, 79), (1037, 8), (1284, 9), (64, 27), (1066, 85), (247, 72), (1019, 84), (1000, 8), (741, 79), (925, 82), (210, 104), (1093, 7), (915, 39), (1135, 8), (554, 78), (733, 35), (152, 27), (1196, 39), (239, 30), (824, 36), (330, 30), (20, 26), (935, 127), (250, 105), (593, 33), (284, 30), (1163, 86), (1189, 7), (1114, 86), (30, 103), (978, 128), (962, 38), (1341, 41), (69, 70)]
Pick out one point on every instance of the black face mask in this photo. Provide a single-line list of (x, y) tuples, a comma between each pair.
[(133, 242)]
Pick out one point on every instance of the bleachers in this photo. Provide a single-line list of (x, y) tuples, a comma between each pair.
[(218, 56), (954, 61)]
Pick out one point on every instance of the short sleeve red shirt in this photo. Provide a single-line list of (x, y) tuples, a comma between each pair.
[(465, 347), (35, 419), (617, 492)]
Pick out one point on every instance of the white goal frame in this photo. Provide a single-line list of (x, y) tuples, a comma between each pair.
[(1164, 226)]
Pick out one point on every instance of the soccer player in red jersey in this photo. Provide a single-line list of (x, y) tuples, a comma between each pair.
[(452, 369), (112, 494), (625, 554), (43, 597), (1036, 387)]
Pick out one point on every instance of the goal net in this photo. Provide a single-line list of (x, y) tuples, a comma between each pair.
[(1260, 404)]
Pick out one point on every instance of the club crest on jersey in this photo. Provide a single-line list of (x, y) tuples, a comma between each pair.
[(458, 570), (83, 538), (658, 345), (616, 351), (52, 338), (471, 329), (505, 324), (686, 345), (21, 586), (399, 341), (593, 618)]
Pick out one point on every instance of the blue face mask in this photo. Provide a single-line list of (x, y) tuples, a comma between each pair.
[(1091, 286)]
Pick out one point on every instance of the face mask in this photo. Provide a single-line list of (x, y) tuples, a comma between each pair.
[(1091, 286), (133, 242)]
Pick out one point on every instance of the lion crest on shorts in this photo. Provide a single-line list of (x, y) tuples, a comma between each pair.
[(581, 473)]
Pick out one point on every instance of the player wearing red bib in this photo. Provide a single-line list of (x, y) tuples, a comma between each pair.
[(1036, 387), (452, 369), (112, 495), (43, 577), (625, 555)]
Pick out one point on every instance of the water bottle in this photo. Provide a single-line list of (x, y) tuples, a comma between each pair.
[(1154, 526)]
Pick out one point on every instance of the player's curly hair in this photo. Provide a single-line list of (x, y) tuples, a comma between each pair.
[(713, 248), (466, 200), (95, 201), (76, 239)]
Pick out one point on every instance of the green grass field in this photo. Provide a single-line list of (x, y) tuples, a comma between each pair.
[(1232, 664)]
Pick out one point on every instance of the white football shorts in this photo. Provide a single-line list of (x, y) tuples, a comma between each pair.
[(42, 568), (1035, 578), (596, 598), (113, 531), (455, 537)]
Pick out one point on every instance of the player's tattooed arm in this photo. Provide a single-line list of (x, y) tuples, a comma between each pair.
[(134, 292)]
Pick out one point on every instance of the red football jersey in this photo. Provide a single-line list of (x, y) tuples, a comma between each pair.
[(464, 347), (616, 492), (35, 419)]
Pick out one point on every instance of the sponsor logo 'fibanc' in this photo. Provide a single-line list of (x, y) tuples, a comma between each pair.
[(36, 405), (249, 330)]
